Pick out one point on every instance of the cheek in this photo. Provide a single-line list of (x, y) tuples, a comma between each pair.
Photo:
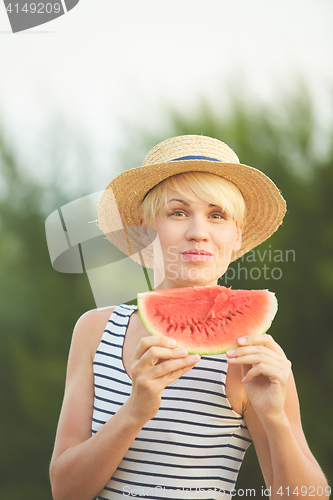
[(168, 233), (167, 243), (226, 244), (238, 240), (234, 235)]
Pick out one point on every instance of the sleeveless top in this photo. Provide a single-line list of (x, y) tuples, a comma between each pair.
[(192, 448)]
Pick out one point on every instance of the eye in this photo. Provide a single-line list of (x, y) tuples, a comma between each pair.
[(178, 213), (218, 215)]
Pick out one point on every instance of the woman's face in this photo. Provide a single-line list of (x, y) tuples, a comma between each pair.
[(196, 240)]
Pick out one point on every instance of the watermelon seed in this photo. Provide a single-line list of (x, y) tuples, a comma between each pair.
[(229, 318)]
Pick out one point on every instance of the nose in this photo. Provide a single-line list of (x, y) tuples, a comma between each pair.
[(197, 230)]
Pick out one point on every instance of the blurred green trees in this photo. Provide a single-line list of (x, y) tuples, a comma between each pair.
[(38, 309), (39, 306)]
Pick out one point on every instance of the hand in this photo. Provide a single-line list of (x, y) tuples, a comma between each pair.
[(265, 372), (156, 363)]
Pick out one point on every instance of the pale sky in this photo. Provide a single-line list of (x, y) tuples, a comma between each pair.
[(108, 60)]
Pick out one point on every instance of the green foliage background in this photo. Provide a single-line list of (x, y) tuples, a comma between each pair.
[(39, 306)]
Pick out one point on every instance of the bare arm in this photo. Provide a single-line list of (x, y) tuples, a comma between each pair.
[(82, 464), (273, 419)]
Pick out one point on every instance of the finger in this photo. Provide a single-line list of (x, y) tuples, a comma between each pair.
[(155, 354), (266, 340), (173, 372), (274, 373), (151, 340), (253, 349), (256, 358), (172, 365)]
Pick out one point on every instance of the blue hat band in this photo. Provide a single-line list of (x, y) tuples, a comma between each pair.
[(195, 158)]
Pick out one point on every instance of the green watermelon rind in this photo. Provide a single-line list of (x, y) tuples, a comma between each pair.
[(215, 351)]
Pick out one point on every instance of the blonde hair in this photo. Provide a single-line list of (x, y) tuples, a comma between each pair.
[(208, 187)]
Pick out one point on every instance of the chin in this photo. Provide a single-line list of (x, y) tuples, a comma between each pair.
[(187, 279), (182, 275)]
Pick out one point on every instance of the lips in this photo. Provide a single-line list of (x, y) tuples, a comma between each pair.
[(197, 255)]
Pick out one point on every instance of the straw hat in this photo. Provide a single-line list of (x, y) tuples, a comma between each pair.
[(118, 210)]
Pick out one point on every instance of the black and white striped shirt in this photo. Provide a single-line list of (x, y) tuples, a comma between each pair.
[(193, 447)]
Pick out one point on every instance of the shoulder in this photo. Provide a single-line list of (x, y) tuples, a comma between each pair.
[(94, 318), (89, 329)]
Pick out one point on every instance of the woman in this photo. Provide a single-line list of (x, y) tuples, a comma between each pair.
[(141, 417)]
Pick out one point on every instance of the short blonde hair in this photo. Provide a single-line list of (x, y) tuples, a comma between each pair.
[(208, 187)]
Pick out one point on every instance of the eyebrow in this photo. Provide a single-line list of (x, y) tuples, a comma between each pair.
[(180, 201), (184, 202)]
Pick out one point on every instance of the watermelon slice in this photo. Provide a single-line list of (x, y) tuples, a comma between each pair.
[(207, 320)]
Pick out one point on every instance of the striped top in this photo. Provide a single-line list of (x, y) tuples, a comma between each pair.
[(192, 448)]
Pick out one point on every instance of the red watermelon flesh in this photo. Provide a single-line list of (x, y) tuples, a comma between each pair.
[(207, 320)]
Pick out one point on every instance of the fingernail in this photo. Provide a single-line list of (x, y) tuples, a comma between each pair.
[(231, 352), (194, 357), (181, 352), (171, 342), (242, 340)]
